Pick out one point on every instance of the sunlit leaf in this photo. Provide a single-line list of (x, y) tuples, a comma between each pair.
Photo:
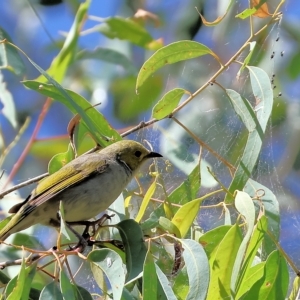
[(61, 62), (210, 240), (248, 276), (186, 214), (168, 226), (60, 160), (221, 264), (167, 103), (259, 8), (295, 290), (146, 201), (171, 54)]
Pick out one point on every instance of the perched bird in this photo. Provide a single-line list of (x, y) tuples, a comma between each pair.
[(87, 186)]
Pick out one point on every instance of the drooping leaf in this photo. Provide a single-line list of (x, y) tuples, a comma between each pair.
[(65, 57), (248, 276), (149, 278), (9, 56), (263, 93), (67, 289), (245, 206), (146, 201), (9, 109), (219, 19), (97, 125), (111, 264), (197, 266), (135, 249), (272, 212)]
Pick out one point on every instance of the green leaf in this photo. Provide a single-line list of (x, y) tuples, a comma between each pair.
[(9, 109), (171, 54), (92, 118), (61, 159), (135, 249), (9, 56), (82, 293), (186, 214), (275, 282), (168, 226), (149, 278), (197, 266), (295, 290), (254, 276), (263, 93), (248, 276), (212, 239), (146, 201), (110, 56), (165, 284), (65, 57), (181, 284), (248, 58), (272, 212), (167, 103), (19, 287), (188, 189), (245, 206), (127, 105), (127, 29), (246, 13), (67, 289), (244, 110), (51, 291), (221, 264), (111, 264)]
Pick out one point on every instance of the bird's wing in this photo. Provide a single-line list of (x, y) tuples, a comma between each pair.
[(73, 173)]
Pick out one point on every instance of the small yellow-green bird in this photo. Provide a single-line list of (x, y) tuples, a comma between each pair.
[(87, 186)]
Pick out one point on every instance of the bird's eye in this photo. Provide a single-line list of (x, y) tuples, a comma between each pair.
[(138, 153)]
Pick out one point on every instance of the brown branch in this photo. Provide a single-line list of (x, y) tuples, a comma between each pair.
[(22, 157)]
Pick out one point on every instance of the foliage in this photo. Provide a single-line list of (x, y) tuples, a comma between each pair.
[(158, 251)]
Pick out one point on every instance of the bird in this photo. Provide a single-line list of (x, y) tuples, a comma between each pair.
[(87, 186)]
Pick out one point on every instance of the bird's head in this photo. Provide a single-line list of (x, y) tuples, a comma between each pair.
[(131, 153)]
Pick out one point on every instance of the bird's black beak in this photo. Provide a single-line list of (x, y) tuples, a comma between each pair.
[(153, 154)]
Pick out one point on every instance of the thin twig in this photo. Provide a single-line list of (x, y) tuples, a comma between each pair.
[(205, 146), (22, 157), (22, 184)]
